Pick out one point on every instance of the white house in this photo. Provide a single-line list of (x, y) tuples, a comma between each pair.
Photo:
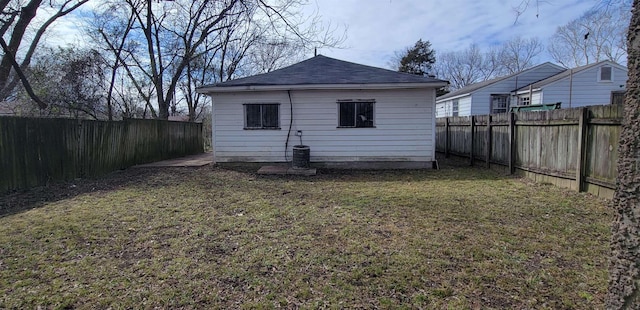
[(593, 84), (350, 115), (491, 96)]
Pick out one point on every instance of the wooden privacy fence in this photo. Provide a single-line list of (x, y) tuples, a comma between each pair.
[(34, 151), (574, 148)]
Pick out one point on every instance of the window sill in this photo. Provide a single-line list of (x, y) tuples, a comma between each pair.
[(262, 128), (355, 127)]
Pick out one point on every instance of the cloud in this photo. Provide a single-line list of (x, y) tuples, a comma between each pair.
[(377, 28)]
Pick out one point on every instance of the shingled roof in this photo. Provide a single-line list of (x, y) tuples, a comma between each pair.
[(473, 87), (567, 73), (322, 70)]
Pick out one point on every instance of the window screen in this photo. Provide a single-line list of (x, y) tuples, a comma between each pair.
[(499, 103), (605, 74), (356, 114), (262, 116)]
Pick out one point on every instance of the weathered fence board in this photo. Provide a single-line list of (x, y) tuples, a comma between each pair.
[(500, 138), (552, 143), (34, 151)]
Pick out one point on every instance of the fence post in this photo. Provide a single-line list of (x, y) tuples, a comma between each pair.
[(512, 130), (473, 129), (446, 137), (582, 136), (80, 154), (487, 142)]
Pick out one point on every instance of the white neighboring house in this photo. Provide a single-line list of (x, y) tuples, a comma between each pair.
[(350, 115), (593, 84), (491, 96)]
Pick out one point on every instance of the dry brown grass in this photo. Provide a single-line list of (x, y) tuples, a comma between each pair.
[(215, 238)]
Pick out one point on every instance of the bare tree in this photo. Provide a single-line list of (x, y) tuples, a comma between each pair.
[(238, 49), (462, 68), (180, 45), (110, 28), (71, 80), (273, 53), (517, 54), (15, 19), (599, 34), (471, 65)]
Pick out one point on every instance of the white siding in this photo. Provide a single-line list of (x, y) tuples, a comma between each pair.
[(536, 98), (586, 89), (445, 108), (403, 127), (482, 97), (464, 106)]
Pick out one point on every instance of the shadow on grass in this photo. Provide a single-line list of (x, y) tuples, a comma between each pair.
[(24, 200), (21, 201), (451, 170)]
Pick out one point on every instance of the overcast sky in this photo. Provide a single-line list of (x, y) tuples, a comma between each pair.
[(377, 28)]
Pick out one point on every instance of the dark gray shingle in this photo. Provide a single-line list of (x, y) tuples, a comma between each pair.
[(473, 87), (324, 70), (562, 75)]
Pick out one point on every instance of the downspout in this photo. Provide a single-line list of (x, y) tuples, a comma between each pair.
[(213, 130), (286, 144), (514, 98), (433, 128), (530, 94)]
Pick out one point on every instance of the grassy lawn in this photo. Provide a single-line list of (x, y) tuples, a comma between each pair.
[(213, 238)]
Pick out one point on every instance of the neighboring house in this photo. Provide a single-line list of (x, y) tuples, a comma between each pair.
[(350, 115), (593, 84), (491, 96)]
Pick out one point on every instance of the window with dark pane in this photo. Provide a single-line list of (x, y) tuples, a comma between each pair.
[(262, 116), (455, 107), (270, 115), (605, 74), (347, 114), (499, 103), (356, 114)]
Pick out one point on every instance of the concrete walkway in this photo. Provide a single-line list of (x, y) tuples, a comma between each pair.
[(198, 160)]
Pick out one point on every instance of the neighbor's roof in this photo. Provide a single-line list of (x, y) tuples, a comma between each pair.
[(322, 70), (473, 87), (566, 73)]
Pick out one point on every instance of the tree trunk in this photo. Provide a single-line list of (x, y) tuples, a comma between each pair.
[(624, 268), (26, 15)]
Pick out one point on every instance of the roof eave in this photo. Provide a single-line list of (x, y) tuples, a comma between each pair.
[(494, 81), (522, 91), (453, 97), (249, 88)]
